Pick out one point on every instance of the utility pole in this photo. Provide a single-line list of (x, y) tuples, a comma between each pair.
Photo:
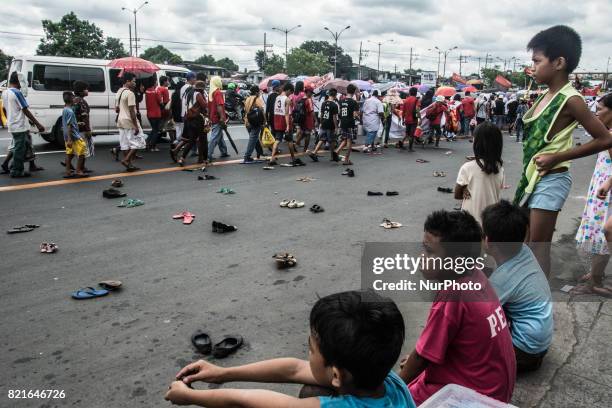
[(486, 61), (130, 28), (336, 35), (286, 31), (462, 60), (607, 73), (410, 66), (445, 55), (135, 11), (378, 64), (263, 63), (359, 65)]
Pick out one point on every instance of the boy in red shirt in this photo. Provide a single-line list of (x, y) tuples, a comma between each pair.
[(434, 114), (154, 102), (469, 111), (410, 114), (466, 339)]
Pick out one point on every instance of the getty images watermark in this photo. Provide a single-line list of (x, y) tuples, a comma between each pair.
[(411, 272)]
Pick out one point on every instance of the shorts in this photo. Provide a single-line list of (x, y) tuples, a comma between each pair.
[(327, 135), (279, 135), (348, 134), (551, 192), (78, 148), (129, 141)]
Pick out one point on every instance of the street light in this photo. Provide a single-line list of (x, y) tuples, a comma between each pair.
[(286, 31), (379, 43), (445, 55), (336, 36), (135, 26)]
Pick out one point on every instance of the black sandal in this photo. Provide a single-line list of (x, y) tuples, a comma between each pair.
[(201, 341), (227, 346)]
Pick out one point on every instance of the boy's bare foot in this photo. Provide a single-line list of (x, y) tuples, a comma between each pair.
[(585, 278)]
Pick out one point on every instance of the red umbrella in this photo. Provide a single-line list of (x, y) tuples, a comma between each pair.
[(446, 91), (266, 81), (469, 89), (134, 65)]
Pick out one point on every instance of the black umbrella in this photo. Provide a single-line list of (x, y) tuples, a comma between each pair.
[(230, 140)]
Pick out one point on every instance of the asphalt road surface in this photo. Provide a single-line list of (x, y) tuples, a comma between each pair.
[(124, 349)]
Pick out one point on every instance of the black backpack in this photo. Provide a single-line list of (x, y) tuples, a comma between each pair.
[(255, 116), (299, 112), (176, 106)]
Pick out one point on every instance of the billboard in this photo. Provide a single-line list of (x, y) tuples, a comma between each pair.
[(429, 78)]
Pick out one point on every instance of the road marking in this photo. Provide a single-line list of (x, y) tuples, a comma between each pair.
[(37, 153), (116, 175)]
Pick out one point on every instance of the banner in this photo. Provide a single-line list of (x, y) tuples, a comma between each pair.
[(458, 79)]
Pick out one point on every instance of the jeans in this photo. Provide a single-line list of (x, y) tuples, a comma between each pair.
[(520, 130), (19, 152), (253, 142), (370, 137), (387, 129), (216, 138), (154, 135), (499, 121), (465, 125)]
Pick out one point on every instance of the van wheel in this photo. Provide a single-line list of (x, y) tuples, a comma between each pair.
[(58, 134)]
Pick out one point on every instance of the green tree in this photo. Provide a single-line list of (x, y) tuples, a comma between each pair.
[(274, 65), (302, 62), (5, 61), (114, 48), (161, 55), (227, 64), (259, 59), (205, 60), (71, 37), (345, 62)]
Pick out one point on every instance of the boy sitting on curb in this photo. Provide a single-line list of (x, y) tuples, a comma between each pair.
[(355, 339)]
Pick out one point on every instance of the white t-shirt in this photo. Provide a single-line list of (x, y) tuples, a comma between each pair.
[(484, 189), (14, 102), (124, 99), (371, 108)]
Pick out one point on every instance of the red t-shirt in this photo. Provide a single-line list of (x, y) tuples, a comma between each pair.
[(309, 121), (466, 342), (217, 100), (468, 107), (411, 104), (440, 109), (153, 100)]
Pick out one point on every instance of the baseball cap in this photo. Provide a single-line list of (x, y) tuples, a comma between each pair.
[(275, 83), (439, 98), (191, 75)]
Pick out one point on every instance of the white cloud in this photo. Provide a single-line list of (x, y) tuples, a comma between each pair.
[(500, 28)]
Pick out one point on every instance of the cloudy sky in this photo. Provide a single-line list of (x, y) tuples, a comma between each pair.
[(235, 28)]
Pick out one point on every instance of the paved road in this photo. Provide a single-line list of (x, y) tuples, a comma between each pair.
[(123, 350)]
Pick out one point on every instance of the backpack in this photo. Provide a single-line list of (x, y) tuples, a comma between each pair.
[(255, 115), (432, 112), (176, 106), (299, 112)]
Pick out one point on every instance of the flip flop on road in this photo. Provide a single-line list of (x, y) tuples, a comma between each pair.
[(201, 341), (117, 183), (445, 190), (227, 346), (110, 285), (23, 228), (48, 247), (422, 161), (112, 193), (186, 216), (221, 227), (285, 260), (387, 224), (130, 203), (316, 208), (295, 204), (88, 293), (225, 190), (439, 174)]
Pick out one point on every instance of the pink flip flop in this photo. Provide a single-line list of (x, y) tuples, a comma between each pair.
[(188, 218)]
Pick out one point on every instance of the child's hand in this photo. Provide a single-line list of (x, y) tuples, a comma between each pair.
[(603, 190), (178, 394), (466, 194), (69, 143), (544, 163), (201, 371)]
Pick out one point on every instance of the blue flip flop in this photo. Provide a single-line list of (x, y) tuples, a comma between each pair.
[(89, 293)]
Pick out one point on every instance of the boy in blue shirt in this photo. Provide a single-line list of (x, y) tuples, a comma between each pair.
[(75, 145), (355, 339), (520, 284)]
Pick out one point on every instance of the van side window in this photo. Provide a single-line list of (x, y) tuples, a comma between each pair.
[(175, 78), (61, 78), (115, 82)]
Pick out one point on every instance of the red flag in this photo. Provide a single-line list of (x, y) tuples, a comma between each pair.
[(458, 79)]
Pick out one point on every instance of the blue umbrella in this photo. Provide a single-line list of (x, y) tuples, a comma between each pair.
[(423, 88), (362, 85)]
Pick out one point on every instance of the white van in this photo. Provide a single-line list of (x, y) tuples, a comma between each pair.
[(49, 77)]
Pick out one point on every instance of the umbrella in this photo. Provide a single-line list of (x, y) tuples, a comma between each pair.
[(134, 65), (423, 88), (266, 81), (339, 84), (470, 89), (230, 140), (362, 85), (445, 91)]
